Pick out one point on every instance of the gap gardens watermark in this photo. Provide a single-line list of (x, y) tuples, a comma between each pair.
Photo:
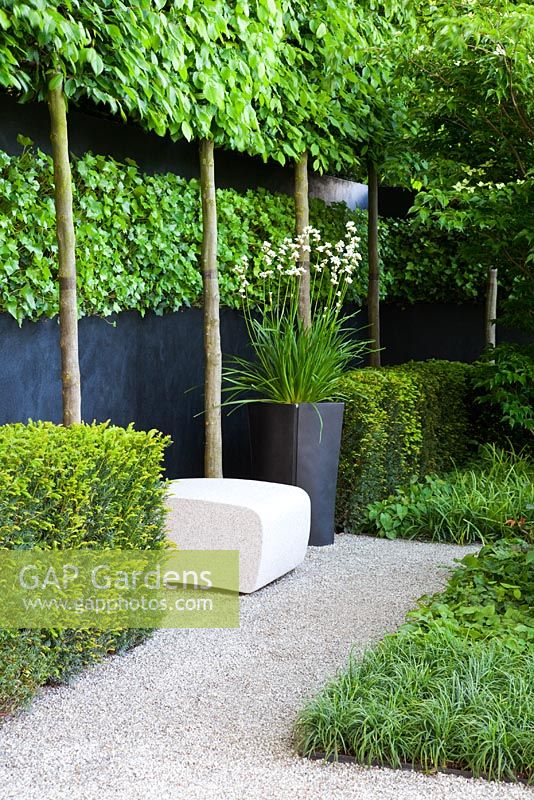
[(111, 589)]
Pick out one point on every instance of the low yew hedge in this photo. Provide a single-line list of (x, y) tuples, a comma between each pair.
[(402, 422), (89, 486)]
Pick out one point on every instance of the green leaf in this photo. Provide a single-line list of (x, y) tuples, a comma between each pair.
[(55, 81), (187, 131)]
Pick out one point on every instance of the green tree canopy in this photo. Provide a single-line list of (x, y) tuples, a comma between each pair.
[(104, 51), (476, 71)]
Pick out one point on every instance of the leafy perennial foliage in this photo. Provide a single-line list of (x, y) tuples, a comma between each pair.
[(138, 241), (506, 379), (495, 495), (490, 594)]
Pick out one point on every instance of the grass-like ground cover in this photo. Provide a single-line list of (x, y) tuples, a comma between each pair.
[(452, 689)]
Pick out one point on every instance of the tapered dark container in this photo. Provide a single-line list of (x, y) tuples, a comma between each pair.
[(299, 444)]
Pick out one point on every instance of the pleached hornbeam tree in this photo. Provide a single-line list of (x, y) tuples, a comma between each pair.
[(302, 221), (213, 466), (373, 291), (320, 117), (226, 55), (84, 50), (66, 241)]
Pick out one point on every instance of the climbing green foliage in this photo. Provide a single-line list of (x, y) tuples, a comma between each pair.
[(138, 236), (138, 241), (422, 262)]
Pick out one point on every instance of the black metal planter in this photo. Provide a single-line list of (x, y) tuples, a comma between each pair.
[(299, 444)]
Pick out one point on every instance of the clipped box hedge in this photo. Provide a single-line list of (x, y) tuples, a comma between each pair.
[(90, 486), (401, 422)]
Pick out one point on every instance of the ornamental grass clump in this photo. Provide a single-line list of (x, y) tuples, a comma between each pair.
[(292, 362)]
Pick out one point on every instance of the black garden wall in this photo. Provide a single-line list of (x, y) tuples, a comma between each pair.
[(150, 370)]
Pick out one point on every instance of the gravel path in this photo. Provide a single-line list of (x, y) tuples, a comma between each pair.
[(207, 715)]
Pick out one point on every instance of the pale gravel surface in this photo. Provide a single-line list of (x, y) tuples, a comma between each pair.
[(207, 715)]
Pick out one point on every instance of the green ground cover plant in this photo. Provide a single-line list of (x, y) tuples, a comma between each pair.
[(481, 503), (452, 688), (490, 594), (90, 486), (431, 700), (138, 240)]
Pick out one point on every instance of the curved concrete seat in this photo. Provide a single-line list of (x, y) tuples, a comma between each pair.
[(269, 523)]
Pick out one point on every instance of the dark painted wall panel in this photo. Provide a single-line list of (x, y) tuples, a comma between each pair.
[(150, 370), (429, 330), (143, 370), (30, 384), (109, 368)]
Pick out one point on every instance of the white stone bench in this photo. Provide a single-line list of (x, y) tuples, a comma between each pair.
[(269, 523)]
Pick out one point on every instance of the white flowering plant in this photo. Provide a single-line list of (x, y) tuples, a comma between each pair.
[(295, 363)]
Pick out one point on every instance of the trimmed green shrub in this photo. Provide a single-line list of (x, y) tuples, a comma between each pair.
[(84, 486), (482, 503), (401, 422), (24, 666), (32, 658), (90, 486)]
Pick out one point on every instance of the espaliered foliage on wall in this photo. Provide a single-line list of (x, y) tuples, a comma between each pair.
[(401, 422), (138, 240), (138, 236)]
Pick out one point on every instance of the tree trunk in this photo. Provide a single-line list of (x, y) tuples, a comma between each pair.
[(373, 292), (212, 333), (302, 220), (68, 306), (491, 309)]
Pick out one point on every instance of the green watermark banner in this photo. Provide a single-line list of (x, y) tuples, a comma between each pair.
[(111, 589)]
